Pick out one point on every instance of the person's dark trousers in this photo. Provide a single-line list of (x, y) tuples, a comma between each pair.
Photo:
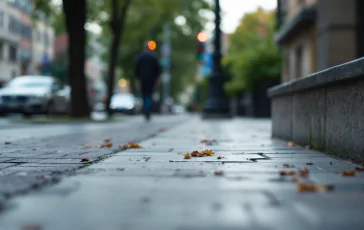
[(147, 94)]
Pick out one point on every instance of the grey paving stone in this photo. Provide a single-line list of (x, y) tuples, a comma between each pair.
[(155, 188)]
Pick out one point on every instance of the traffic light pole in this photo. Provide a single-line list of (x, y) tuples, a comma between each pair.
[(217, 106)]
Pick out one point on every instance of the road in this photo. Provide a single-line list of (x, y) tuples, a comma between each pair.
[(32, 155)]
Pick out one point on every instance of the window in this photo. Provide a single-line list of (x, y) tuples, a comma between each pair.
[(299, 59), (12, 53)]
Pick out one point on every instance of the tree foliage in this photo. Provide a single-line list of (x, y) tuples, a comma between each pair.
[(252, 55)]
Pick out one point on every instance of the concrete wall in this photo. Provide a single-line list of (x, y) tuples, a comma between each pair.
[(324, 110), (336, 32)]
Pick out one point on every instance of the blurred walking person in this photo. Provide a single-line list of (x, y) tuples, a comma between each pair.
[(147, 73)]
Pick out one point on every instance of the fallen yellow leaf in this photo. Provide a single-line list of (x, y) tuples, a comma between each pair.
[(195, 154), (187, 156), (133, 145), (313, 187), (108, 145), (349, 173), (208, 152)]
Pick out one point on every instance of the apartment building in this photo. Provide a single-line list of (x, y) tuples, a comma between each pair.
[(20, 50), (43, 49), (318, 34)]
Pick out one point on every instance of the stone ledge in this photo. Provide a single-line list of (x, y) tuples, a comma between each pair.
[(324, 110), (344, 72)]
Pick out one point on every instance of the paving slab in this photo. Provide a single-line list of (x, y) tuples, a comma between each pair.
[(156, 188)]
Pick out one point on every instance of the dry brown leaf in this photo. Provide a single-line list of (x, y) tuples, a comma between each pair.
[(107, 140), (219, 173), (287, 173), (84, 159), (195, 154), (304, 172), (219, 157), (108, 145), (359, 169), (87, 147), (187, 156), (204, 141), (295, 179), (208, 152), (288, 165), (133, 145), (307, 187), (291, 144), (349, 172), (309, 163)]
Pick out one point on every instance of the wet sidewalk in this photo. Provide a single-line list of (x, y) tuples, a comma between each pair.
[(240, 187)]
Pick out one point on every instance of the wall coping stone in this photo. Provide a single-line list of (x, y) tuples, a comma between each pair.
[(344, 72)]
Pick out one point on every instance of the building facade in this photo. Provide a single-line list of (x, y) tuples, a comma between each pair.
[(318, 34), (20, 52), (43, 49)]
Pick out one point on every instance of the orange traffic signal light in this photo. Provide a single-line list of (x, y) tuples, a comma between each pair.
[(202, 37)]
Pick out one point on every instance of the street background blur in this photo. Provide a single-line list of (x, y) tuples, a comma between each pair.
[(263, 44)]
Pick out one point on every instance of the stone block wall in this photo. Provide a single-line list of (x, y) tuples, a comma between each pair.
[(324, 110)]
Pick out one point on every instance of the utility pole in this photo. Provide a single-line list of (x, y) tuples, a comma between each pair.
[(166, 63), (217, 106)]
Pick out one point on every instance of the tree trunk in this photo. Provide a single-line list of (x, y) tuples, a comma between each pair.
[(117, 24), (75, 15), (111, 76)]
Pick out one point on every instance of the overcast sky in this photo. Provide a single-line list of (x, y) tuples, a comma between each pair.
[(233, 11)]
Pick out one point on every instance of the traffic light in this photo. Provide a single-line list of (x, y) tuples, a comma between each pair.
[(200, 52), (201, 39)]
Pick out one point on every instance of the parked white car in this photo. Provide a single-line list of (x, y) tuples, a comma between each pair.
[(34, 95)]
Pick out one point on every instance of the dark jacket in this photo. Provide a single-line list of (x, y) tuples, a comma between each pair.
[(147, 68)]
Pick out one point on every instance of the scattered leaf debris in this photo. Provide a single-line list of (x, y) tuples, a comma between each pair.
[(208, 142), (309, 163), (208, 152), (291, 144), (84, 160), (87, 147), (195, 154), (349, 172), (287, 173), (108, 145), (219, 173), (187, 156), (308, 187), (288, 165), (304, 172), (133, 145), (220, 157), (107, 140)]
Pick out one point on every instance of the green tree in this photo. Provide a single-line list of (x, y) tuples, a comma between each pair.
[(252, 55), (75, 13), (145, 22)]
